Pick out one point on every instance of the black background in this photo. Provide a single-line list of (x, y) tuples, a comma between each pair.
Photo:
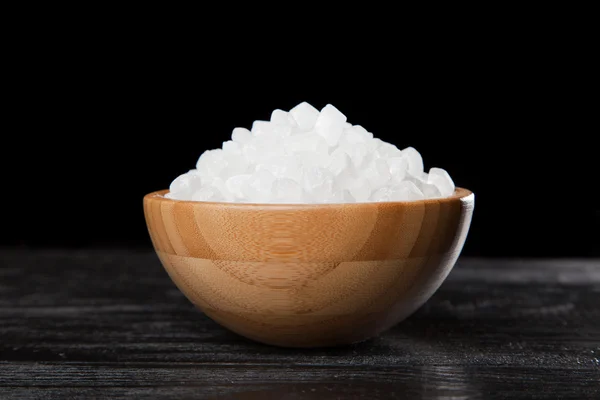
[(104, 105), (101, 120)]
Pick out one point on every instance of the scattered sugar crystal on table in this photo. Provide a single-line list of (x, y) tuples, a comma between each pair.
[(309, 156)]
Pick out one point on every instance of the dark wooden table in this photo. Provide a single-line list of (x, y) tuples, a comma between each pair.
[(110, 324)]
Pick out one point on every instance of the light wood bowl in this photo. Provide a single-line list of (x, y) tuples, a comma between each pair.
[(308, 275)]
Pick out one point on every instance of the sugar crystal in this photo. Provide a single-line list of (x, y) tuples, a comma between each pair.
[(309, 156), (305, 115)]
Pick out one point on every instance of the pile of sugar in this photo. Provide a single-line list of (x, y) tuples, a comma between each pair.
[(307, 156)]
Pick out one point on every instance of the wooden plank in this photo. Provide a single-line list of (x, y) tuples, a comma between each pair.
[(110, 323)]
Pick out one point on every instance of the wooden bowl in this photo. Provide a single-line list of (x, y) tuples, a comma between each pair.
[(308, 275)]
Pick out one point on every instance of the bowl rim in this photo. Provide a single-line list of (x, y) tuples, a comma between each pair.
[(460, 194)]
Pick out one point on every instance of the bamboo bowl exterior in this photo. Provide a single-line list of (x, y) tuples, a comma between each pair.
[(308, 275)]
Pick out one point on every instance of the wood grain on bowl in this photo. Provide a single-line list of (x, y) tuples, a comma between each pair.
[(308, 275)]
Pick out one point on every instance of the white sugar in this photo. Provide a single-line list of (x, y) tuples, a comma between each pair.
[(360, 190), (184, 185), (305, 115), (241, 135), (398, 167), (318, 183), (262, 128), (280, 117), (283, 166), (358, 155), (330, 124), (236, 185), (259, 187), (356, 135), (341, 166), (308, 142), (211, 163), (406, 191), (415, 161), (378, 173), (231, 147), (309, 156), (206, 194), (442, 180), (287, 190)]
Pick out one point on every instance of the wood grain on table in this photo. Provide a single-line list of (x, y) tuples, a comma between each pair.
[(110, 323)]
